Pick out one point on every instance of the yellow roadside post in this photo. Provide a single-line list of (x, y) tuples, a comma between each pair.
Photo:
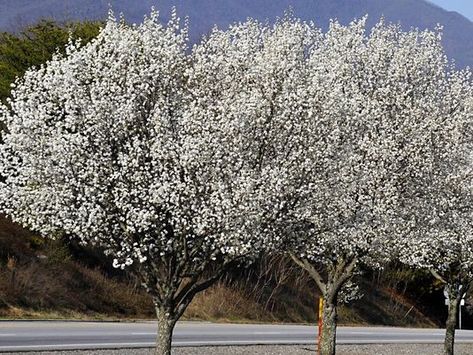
[(321, 307)]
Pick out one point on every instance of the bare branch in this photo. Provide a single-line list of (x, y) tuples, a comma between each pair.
[(306, 265)]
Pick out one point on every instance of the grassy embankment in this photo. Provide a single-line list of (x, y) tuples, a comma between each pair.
[(48, 279)]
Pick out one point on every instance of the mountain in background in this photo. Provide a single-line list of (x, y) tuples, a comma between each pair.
[(203, 14)]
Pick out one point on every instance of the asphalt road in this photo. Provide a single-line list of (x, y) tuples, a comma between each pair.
[(58, 335)]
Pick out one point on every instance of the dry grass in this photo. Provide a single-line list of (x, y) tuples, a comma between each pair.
[(69, 290), (40, 279), (276, 291), (271, 290), (381, 306), (225, 304)]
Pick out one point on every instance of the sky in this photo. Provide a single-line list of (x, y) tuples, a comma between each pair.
[(464, 7)]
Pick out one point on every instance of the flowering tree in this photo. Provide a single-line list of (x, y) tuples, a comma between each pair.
[(371, 103), (437, 208), (329, 129), (104, 145)]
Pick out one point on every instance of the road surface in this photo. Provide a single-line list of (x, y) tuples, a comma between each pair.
[(58, 335)]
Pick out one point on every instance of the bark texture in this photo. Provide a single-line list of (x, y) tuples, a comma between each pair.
[(166, 325), (451, 323), (329, 329)]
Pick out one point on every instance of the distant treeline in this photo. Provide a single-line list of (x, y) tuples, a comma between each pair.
[(35, 45)]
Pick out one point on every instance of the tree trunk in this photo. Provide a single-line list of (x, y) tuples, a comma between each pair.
[(329, 328), (455, 300), (339, 273), (166, 325)]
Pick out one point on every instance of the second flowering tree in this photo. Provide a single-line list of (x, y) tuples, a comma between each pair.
[(375, 100), (329, 129), (437, 214)]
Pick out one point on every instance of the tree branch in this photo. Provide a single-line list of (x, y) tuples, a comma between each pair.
[(186, 296), (437, 276), (346, 274), (306, 265)]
